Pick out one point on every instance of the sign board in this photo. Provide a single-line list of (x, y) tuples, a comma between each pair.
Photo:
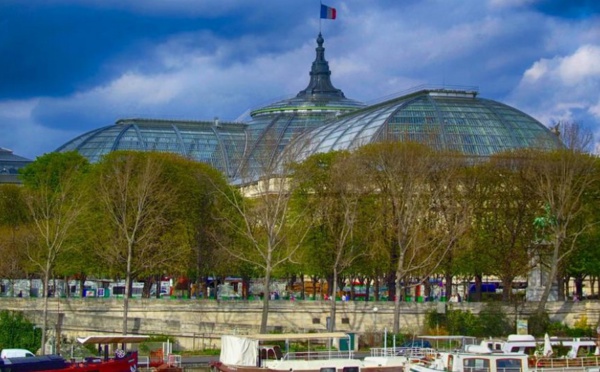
[(522, 327)]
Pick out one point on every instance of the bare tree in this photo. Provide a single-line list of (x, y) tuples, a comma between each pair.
[(561, 179), (261, 217), (574, 136), (417, 184), (133, 201)]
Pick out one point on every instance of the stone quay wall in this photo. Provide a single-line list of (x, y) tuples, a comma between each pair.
[(199, 324)]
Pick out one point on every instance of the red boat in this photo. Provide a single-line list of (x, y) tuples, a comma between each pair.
[(121, 361)]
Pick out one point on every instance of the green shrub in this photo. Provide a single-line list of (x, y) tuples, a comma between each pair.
[(435, 320), (18, 332), (494, 322), (463, 323), (538, 324)]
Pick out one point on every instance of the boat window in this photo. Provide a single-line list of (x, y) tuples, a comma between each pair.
[(508, 365), (529, 350), (585, 350), (270, 352), (476, 365)]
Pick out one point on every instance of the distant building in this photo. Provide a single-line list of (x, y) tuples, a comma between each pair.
[(321, 118), (10, 165)]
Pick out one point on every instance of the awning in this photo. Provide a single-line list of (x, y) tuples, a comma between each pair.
[(112, 339)]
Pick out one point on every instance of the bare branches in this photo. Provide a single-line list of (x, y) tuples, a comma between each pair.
[(420, 188), (134, 198)]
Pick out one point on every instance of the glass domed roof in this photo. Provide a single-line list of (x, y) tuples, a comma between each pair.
[(320, 119), (218, 144), (272, 127), (455, 120), (9, 166)]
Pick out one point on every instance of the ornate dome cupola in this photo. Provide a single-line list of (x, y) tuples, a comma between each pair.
[(271, 127), (319, 97), (320, 77)]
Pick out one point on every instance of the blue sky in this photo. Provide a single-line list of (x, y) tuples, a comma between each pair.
[(70, 66)]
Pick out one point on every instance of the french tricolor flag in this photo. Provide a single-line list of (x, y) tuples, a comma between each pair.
[(328, 12)]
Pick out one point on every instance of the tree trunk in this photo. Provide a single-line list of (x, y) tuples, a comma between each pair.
[(449, 284), (563, 288), (332, 312), (266, 298), (45, 310), (550, 279), (397, 297), (477, 294), (82, 279), (127, 288), (579, 285), (506, 289)]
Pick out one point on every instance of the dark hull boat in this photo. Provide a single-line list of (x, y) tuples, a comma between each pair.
[(121, 361)]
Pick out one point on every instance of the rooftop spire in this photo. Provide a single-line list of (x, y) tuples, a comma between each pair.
[(320, 81)]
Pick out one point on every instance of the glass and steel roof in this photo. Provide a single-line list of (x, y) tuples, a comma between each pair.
[(218, 144), (449, 119), (272, 127), (320, 119), (10, 165)]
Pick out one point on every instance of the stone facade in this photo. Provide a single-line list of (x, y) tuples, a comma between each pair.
[(198, 324)]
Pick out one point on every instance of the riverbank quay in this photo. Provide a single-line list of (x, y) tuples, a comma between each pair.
[(199, 324)]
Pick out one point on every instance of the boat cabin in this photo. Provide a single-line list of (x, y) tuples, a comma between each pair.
[(527, 344), (475, 358), (476, 362)]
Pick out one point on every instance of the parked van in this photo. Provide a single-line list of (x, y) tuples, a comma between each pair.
[(15, 353)]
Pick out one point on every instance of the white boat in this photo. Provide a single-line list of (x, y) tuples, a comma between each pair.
[(480, 358), (527, 344), (474, 359), (254, 353)]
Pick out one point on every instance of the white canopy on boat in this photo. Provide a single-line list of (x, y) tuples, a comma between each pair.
[(296, 336), (112, 339), (242, 350)]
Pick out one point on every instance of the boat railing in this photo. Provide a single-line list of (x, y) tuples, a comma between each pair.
[(144, 361), (483, 369), (583, 362), (314, 355), (174, 360), (410, 352)]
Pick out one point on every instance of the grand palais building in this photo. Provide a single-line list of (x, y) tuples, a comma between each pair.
[(320, 118)]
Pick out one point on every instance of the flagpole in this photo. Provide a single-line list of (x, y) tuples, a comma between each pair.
[(320, 20)]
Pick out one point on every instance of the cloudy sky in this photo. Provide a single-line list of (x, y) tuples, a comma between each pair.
[(70, 66)]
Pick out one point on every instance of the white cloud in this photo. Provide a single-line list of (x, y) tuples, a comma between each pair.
[(374, 50), (537, 71), (582, 65), (199, 89), (562, 88), (567, 70), (595, 109)]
